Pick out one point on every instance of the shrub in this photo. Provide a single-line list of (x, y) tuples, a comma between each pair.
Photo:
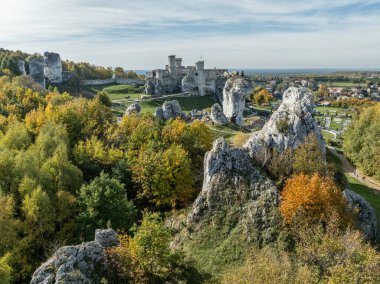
[(282, 125)]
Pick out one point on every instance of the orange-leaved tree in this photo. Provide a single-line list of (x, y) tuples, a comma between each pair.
[(317, 197)]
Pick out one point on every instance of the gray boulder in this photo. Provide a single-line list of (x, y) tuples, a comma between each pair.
[(36, 71), (288, 126), (53, 67), (217, 115), (159, 113), (171, 109), (134, 108), (235, 191), (77, 264), (367, 221), (234, 93)]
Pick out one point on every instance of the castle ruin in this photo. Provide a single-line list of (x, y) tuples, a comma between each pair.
[(176, 78)]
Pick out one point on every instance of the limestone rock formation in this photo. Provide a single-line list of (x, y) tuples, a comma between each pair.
[(367, 221), (149, 86), (36, 70), (235, 191), (53, 67), (217, 115), (219, 86), (134, 108), (234, 93), (158, 88), (189, 83), (21, 67), (288, 126), (171, 109), (77, 264)]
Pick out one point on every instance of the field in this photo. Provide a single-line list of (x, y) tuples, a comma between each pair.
[(116, 91), (343, 84), (371, 195)]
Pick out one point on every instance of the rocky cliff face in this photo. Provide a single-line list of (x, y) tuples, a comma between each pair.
[(234, 93), (53, 67), (288, 126), (21, 67), (189, 83), (367, 221), (36, 71), (236, 192), (77, 264)]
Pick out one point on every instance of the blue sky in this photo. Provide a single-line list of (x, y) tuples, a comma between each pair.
[(241, 33)]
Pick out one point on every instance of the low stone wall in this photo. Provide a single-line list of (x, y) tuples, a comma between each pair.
[(112, 81)]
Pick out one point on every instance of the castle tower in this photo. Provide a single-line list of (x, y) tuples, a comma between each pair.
[(172, 63), (178, 63), (200, 74)]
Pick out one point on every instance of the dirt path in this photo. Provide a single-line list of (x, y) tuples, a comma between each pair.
[(354, 172)]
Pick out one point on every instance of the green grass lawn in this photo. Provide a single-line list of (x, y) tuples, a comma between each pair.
[(187, 103), (371, 195), (327, 135), (116, 91)]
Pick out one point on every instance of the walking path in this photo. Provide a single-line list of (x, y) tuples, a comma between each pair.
[(354, 172)]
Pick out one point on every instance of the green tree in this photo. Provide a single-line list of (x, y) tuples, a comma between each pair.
[(103, 98), (361, 142), (309, 158), (104, 199)]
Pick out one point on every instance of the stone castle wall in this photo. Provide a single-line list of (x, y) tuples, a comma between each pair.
[(123, 81)]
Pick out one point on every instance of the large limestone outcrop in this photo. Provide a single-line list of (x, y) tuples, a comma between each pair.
[(367, 221), (53, 67), (288, 126), (234, 93), (235, 192), (149, 86), (134, 108), (36, 71), (219, 86), (77, 264), (217, 115)]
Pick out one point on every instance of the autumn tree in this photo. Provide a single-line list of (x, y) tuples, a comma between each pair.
[(318, 198)]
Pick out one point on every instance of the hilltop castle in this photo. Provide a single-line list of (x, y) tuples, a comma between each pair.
[(176, 78)]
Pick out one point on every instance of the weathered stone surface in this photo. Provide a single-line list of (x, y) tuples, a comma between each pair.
[(159, 113), (189, 83), (295, 116), (234, 93), (219, 86), (53, 67), (234, 188), (77, 264), (367, 221), (134, 108), (217, 115), (149, 86), (158, 88), (106, 238), (36, 71), (171, 109), (21, 67)]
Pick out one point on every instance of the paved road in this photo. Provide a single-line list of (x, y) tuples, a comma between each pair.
[(352, 171)]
